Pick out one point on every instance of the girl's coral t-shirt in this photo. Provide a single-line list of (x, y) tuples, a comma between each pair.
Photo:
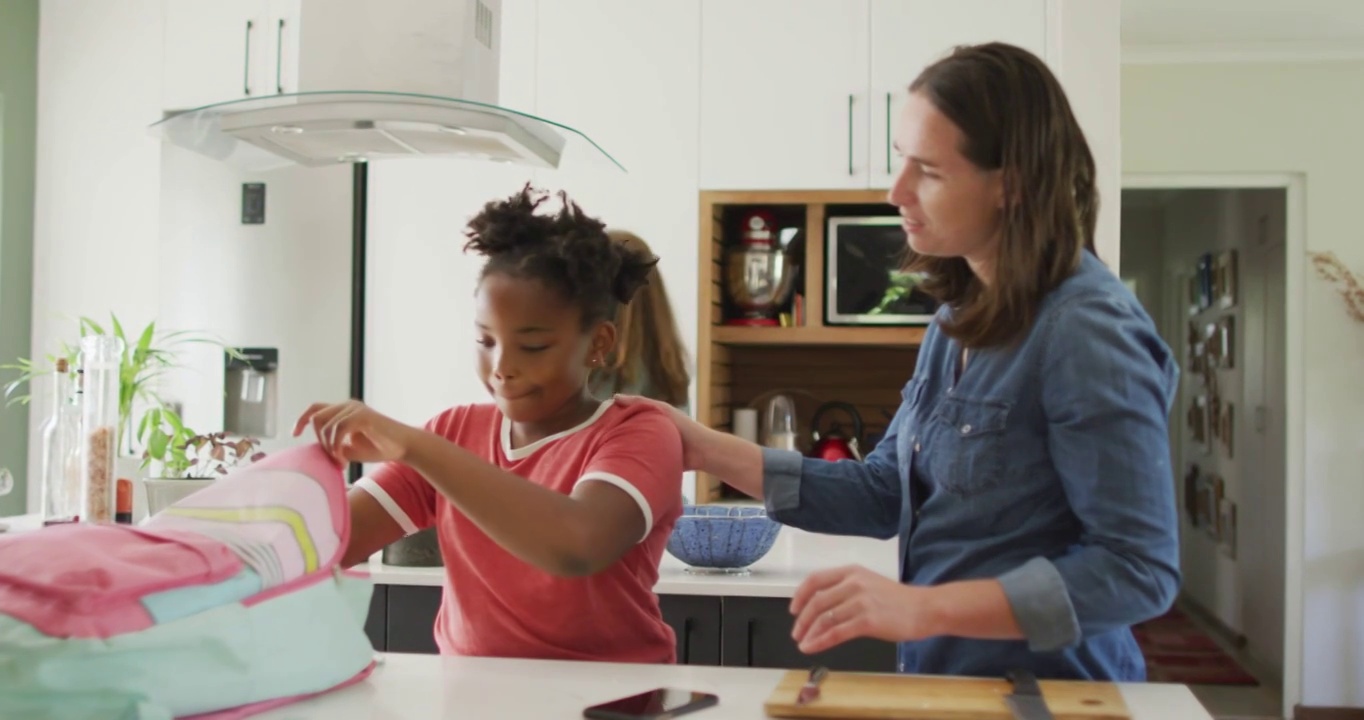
[(497, 605)]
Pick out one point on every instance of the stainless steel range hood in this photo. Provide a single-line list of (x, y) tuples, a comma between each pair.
[(398, 79)]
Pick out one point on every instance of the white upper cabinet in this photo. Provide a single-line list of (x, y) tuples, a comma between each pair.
[(796, 94), (213, 51), (220, 50), (908, 35), (783, 94)]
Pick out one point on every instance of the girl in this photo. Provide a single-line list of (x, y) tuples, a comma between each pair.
[(552, 508), (649, 359)]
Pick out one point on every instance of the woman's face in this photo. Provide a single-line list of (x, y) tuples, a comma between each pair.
[(948, 206), (533, 355)]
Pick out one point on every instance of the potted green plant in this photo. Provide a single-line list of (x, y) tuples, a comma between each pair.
[(144, 361), (186, 461)]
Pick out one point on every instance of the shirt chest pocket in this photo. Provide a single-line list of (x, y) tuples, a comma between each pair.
[(966, 445)]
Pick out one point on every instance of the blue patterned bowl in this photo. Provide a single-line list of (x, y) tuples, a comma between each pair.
[(722, 539)]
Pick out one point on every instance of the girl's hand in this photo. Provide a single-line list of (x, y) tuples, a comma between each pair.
[(838, 605), (353, 432), (697, 439)]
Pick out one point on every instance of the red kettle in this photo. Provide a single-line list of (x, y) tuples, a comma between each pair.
[(834, 444)]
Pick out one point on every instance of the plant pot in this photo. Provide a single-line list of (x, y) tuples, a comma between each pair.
[(420, 549), (164, 492)]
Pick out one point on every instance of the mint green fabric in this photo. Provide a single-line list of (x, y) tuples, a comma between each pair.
[(303, 642)]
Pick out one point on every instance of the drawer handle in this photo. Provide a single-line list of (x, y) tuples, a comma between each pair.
[(850, 135), (888, 170)]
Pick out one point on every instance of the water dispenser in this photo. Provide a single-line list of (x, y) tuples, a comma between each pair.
[(252, 388)]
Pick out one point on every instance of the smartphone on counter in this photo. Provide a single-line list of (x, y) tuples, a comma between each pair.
[(658, 704)]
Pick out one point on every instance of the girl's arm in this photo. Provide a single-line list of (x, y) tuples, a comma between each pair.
[(566, 535), (371, 528)]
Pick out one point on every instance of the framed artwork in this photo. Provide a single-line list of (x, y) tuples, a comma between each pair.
[(1204, 508), (1198, 420), (1224, 279), (1212, 502), (1212, 344), (1191, 483), (1223, 430), (1194, 293), (1225, 339), (1226, 522)]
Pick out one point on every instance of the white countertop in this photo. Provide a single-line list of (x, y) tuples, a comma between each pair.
[(417, 687), (793, 557)]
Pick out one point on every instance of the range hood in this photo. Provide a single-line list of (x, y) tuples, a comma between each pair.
[(382, 80)]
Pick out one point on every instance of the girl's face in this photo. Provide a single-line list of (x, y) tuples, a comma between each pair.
[(534, 355)]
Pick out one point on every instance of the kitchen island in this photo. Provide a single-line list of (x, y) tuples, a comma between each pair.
[(794, 556), (422, 687), (736, 621)]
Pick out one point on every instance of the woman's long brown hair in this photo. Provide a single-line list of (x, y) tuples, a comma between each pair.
[(647, 336), (1015, 117)]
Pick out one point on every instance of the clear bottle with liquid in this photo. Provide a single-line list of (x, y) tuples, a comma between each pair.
[(60, 489), (101, 358)]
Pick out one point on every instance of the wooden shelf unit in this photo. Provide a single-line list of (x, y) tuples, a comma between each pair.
[(814, 363)]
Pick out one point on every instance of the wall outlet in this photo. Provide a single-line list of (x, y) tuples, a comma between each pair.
[(253, 203)]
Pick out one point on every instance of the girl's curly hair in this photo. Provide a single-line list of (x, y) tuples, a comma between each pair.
[(569, 251)]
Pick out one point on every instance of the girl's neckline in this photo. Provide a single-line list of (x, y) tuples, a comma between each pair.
[(526, 451)]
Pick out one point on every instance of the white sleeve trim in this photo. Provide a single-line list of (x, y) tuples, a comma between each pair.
[(630, 490), (388, 503)]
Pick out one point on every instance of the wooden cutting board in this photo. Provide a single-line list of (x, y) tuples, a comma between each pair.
[(861, 696)]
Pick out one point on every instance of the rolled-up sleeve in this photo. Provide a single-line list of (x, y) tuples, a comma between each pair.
[(845, 497), (1108, 382)]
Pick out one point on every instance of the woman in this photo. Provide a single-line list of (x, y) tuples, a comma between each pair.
[(1027, 470), (649, 359)]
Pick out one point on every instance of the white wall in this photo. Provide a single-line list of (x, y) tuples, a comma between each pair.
[(96, 214), (1083, 48), (283, 284), (1290, 118)]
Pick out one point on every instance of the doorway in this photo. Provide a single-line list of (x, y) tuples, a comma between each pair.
[(1213, 260)]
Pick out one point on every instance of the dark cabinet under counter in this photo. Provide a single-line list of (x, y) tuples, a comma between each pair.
[(732, 631)]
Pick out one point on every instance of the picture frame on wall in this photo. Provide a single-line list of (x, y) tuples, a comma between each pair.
[(1212, 345), (1226, 522), (1225, 340), (1197, 419), (1224, 279), (1224, 430)]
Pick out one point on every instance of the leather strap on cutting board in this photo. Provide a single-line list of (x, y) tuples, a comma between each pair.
[(923, 697)]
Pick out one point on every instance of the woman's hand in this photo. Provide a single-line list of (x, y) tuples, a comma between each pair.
[(354, 432), (838, 605), (697, 439)]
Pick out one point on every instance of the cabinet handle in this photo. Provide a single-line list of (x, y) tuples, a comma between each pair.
[(888, 170), (279, 58), (850, 135), (246, 65)]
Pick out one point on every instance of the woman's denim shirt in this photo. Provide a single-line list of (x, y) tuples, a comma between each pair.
[(1046, 466)]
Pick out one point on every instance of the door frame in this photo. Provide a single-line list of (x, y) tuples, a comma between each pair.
[(1295, 413)]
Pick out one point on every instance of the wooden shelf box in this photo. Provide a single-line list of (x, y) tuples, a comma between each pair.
[(741, 366)]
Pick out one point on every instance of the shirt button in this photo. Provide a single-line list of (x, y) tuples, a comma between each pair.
[(916, 447), (965, 428)]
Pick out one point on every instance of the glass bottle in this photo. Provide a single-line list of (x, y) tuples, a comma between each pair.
[(101, 357), (59, 499)]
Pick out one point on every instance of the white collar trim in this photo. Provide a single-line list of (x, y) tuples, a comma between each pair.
[(522, 453)]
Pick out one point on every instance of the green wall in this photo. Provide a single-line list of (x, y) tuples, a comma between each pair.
[(18, 132)]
